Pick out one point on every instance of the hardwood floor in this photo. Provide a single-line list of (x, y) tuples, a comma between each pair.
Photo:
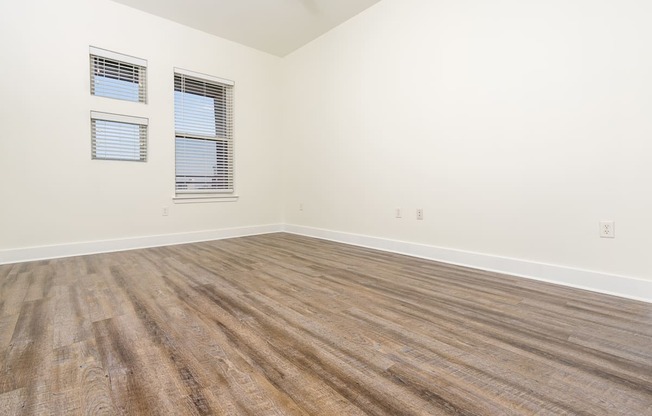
[(287, 325)]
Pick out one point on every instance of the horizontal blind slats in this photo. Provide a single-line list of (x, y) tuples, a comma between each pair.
[(204, 135), (113, 140), (116, 79)]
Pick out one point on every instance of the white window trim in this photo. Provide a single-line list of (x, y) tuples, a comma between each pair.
[(117, 56), (203, 77), (119, 118), (198, 199)]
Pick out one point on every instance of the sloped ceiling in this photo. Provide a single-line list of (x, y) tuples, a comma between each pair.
[(274, 26)]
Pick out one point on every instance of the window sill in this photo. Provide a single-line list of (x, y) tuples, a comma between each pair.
[(200, 199)]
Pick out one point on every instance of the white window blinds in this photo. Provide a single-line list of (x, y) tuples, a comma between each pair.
[(118, 76), (117, 137), (203, 120)]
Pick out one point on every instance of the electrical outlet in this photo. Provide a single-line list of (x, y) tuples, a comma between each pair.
[(166, 211), (398, 213), (419, 213), (607, 229)]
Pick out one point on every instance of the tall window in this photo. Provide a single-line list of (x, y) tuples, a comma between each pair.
[(118, 76), (203, 122)]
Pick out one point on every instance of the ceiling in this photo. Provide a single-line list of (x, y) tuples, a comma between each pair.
[(274, 26)]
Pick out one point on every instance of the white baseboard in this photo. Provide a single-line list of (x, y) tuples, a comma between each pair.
[(105, 246), (624, 286)]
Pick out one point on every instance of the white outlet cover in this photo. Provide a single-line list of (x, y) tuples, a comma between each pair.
[(607, 229)]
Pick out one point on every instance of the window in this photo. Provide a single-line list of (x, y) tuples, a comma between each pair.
[(203, 122), (117, 137), (118, 76)]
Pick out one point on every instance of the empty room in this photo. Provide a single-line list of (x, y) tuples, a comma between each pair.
[(326, 207)]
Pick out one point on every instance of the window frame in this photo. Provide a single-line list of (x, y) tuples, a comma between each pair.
[(142, 138), (223, 124), (119, 60)]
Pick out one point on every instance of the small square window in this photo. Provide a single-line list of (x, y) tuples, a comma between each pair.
[(117, 137), (118, 76)]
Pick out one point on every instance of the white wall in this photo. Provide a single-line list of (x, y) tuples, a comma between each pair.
[(516, 126), (52, 193)]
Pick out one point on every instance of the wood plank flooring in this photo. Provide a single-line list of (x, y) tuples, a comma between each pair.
[(286, 325)]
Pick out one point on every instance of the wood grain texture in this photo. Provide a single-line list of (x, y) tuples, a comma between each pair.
[(287, 325)]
